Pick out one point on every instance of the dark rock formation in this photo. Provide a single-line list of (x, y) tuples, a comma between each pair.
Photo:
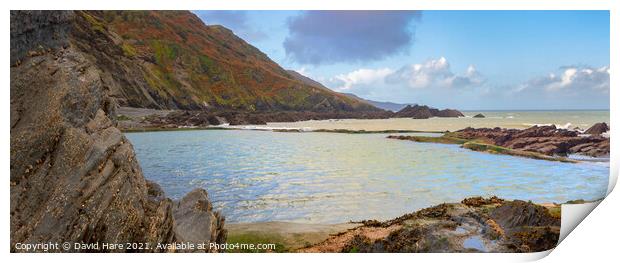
[(597, 129), (425, 112), (205, 118), (74, 176), (547, 140), (195, 221), (448, 113), (474, 225), (416, 112), (479, 115)]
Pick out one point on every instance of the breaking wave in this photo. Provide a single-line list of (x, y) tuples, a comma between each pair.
[(567, 125)]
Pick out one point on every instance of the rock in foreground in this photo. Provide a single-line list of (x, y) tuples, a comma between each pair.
[(195, 220), (474, 225), (74, 176)]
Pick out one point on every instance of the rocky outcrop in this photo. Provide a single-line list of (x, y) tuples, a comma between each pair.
[(74, 177), (176, 119), (598, 129), (547, 140), (447, 113), (479, 115), (474, 225), (425, 112), (195, 221)]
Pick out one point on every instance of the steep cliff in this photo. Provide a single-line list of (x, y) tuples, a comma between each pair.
[(74, 176), (172, 60)]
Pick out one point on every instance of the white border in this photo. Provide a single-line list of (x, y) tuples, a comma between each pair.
[(598, 232), (318, 4)]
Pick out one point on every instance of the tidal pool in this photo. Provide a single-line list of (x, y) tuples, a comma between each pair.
[(315, 177)]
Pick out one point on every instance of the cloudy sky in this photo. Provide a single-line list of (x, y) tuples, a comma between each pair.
[(459, 59)]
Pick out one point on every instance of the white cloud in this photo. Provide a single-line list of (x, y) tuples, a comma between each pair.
[(430, 74), (571, 79), (360, 77), (435, 73)]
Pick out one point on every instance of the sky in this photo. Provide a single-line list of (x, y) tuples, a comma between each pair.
[(468, 60)]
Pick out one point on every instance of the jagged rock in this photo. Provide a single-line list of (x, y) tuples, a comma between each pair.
[(74, 176), (425, 112), (547, 140), (474, 225), (597, 129), (479, 115), (195, 221)]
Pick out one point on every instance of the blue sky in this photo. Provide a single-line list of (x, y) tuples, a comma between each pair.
[(457, 59)]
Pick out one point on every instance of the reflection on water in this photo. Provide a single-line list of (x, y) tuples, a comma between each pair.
[(255, 176)]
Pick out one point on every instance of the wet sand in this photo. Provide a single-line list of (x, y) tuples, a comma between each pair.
[(289, 236)]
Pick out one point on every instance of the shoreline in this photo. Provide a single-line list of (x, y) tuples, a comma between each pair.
[(148, 119), (274, 129), (475, 224)]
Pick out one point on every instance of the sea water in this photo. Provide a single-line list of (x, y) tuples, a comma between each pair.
[(506, 119), (316, 177)]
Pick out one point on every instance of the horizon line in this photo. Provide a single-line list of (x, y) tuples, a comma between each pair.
[(536, 110)]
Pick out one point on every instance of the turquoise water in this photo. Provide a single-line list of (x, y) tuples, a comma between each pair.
[(255, 176)]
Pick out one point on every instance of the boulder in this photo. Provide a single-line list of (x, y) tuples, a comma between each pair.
[(479, 115), (195, 222), (598, 129)]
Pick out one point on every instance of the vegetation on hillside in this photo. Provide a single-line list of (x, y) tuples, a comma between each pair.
[(191, 65)]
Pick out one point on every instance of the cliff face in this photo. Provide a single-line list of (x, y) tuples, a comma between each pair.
[(74, 176), (172, 60)]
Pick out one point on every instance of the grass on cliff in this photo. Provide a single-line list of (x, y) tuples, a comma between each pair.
[(192, 64), (128, 50), (94, 22)]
